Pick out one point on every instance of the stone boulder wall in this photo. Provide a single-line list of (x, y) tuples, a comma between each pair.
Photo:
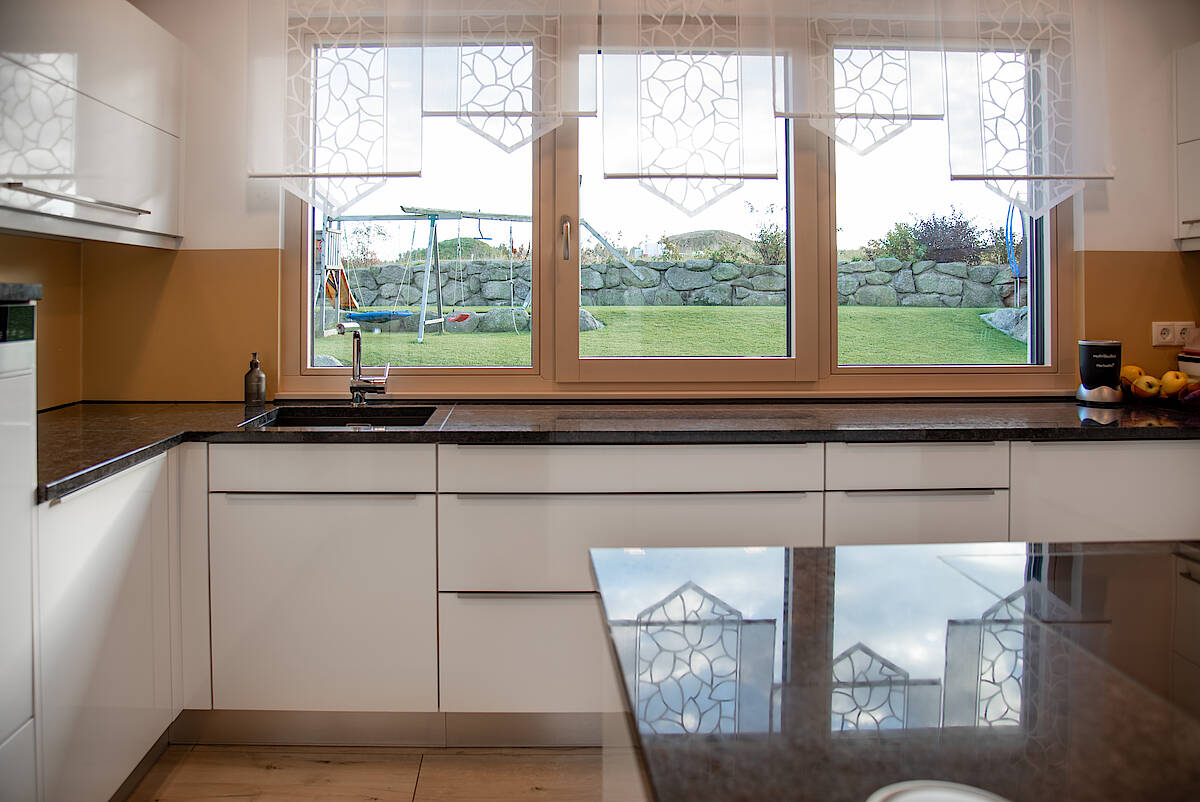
[(482, 283), (693, 282), (891, 282)]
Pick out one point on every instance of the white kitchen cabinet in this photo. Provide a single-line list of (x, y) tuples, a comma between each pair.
[(1189, 189), (1187, 96), (525, 653), (630, 469), (194, 676), (540, 542), (915, 466), (1187, 152), (68, 144), (104, 696), (323, 602), (1104, 491), (18, 449), (105, 49), (873, 517), (18, 770), (323, 467)]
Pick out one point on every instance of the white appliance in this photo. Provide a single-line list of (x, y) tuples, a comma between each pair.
[(18, 484)]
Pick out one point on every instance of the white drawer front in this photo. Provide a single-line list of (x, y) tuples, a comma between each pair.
[(322, 467), (915, 466), (1104, 491), (323, 602), (525, 653), (922, 516), (527, 542), (630, 469)]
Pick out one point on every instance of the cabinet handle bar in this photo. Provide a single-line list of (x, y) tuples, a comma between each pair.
[(18, 186)]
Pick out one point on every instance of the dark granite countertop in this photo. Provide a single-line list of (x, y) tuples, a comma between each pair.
[(82, 443), (10, 292), (1034, 672)]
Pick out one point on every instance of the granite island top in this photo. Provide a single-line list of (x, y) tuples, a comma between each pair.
[(1035, 672), (82, 443)]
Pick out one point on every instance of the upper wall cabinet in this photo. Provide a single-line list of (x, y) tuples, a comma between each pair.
[(1187, 129), (105, 49), (90, 104)]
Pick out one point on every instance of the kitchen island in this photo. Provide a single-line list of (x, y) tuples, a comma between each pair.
[(1036, 672)]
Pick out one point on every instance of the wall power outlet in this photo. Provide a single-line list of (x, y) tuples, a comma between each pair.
[(1170, 332)]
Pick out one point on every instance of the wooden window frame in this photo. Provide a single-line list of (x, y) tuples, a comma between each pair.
[(557, 372)]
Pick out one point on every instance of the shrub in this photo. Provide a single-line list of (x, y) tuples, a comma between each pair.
[(995, 250), (670, 250), (949, 238), (899, 243), (725, 252)]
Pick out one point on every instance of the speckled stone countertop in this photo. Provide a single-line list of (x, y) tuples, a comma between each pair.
[(82, 443), (10, 292), (1041, 673)]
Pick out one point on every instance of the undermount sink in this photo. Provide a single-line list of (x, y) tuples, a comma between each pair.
[(350, 417)]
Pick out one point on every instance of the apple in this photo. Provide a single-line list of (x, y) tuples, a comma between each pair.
[(1146, 386), (1172, 382), (1130, 374)]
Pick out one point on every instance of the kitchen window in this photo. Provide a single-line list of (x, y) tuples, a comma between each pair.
[(624, 256)]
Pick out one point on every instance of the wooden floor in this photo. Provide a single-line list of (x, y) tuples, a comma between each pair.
[(371, 773)]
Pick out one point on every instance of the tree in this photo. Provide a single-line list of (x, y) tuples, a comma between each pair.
[(357, 248), (770, 239), (669, 249), (899, 243)]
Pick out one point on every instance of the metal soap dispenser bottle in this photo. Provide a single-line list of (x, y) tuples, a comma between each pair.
[(256, 382)]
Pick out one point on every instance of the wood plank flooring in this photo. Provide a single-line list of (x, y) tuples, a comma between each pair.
[(346, 774)]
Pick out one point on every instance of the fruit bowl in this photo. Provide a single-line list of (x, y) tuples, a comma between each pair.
[(1174, 390)]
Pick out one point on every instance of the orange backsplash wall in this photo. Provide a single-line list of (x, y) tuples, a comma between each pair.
[(55, 265), (125, 323), (177, 325), (1123, 292)]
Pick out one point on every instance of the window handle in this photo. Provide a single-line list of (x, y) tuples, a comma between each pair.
[(566, 235)]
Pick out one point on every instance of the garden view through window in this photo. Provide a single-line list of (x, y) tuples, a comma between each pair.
[(683, 266), (929, 271), (468, 217), (438, 270)]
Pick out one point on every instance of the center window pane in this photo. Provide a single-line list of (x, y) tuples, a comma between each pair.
[(656, 281)]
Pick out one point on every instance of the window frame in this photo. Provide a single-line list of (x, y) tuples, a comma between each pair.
[(811, 370)]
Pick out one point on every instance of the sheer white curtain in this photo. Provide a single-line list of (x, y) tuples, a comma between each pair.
[(1027, 98), (687, 97), (1020, 83), (859, 70), (511, 70), (691, 88), (333, 101)]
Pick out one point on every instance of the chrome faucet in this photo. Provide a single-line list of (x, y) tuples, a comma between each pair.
[(359, 384)]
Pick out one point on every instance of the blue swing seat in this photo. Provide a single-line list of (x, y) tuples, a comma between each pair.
[(378, 317)]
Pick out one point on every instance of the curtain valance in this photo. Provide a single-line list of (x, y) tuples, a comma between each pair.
[(690, 88)]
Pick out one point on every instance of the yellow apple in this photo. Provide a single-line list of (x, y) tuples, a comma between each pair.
[(1130, 374), (1173, 381), (1145, 386)]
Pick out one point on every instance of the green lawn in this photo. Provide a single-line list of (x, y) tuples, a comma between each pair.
[(866, 336)]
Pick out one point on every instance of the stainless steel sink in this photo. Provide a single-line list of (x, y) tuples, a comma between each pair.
[(342, 417)]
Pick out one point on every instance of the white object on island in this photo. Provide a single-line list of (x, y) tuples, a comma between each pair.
[(932, 791)]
